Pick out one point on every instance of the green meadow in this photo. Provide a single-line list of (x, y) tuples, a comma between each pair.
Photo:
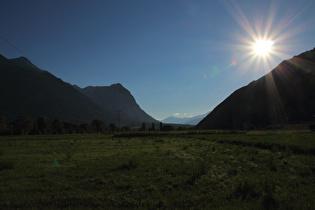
[(252, 170)]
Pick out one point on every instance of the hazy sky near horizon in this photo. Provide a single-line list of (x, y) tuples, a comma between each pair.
[(176, 57)]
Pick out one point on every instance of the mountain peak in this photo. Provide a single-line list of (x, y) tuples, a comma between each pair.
[(284, 95), (117, 85), (116, 97), (25, 63), (21, 60)]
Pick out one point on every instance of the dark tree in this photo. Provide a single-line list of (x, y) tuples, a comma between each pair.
[(4, 130), (143, 128), (113, 127), (44, 125), (152, 127), (167, 128), (35, 130), (23, 125), (181, 128), (86, 128), (161, 126), (69, 128), (3, 122), (126, 129), (57, 126), (99, 126)]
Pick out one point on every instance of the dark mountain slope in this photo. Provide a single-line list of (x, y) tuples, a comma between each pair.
[(25, 63), (25, 89), (195, 120), (116, 98), (284, 95)]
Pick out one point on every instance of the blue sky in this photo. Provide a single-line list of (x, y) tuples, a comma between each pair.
[(176, 57)]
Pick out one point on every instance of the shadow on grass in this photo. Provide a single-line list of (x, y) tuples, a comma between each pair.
[(131, 164), (273, 147), (5, 165)]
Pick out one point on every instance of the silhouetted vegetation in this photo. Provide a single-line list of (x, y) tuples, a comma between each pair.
[(175, 133), (126, 129), (25, 125), (143, 128), (99, 126), (4, 129), (167, 128), (44, 125), (70, 128), (57, 126), (113, 127), (152, 127)]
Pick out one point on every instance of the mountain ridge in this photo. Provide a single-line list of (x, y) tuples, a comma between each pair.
[(26, 63), (25, 89), (28, 91), (284, 95)]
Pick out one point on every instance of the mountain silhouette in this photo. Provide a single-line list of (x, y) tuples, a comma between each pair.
[(117, 99), (25, 63), (284, 95), (27, 90)]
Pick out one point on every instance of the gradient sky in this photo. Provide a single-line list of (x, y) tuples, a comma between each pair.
[(176, 57)]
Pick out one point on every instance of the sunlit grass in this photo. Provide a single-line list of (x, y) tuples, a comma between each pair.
[(171, 171)]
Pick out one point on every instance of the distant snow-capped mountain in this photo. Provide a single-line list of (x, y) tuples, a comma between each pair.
[(186, 120)]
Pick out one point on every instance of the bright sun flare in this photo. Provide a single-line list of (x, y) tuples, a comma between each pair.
[(263, 47)]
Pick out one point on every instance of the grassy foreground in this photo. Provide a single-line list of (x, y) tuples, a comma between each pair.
[(253, 170)]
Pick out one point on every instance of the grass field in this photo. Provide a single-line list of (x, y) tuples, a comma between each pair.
[(252, 170)]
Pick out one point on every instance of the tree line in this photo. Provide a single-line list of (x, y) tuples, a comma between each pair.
[(26, 125), (43, 125)]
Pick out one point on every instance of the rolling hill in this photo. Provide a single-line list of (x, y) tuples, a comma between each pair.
[(284, 95)]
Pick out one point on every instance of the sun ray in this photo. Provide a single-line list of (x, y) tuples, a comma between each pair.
[(276, 29), (263, 40)]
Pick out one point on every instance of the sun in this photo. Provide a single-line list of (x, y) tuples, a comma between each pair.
[(263, 47), (263, 37)]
